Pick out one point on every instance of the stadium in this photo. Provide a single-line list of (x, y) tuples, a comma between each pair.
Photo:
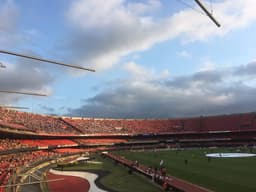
[(144, 132), (30, 141)]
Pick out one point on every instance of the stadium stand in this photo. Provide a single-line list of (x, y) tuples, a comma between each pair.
[(38, 123), (47, 142), (24, 135), (12, 163), (100, 141), (44, 124), (6, 144)]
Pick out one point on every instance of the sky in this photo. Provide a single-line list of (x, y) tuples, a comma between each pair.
[(153, 58)]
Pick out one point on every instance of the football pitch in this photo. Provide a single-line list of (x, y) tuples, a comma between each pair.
[(217, 174), (113, 177)]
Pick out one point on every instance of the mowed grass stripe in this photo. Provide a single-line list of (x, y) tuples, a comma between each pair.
[(226, 174)]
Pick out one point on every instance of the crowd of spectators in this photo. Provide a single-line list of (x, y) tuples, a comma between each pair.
[(47, 142), (6, 144), (99, 141), (234, 122), (122, 126), (46, 124), (13, 163), (43, 124)]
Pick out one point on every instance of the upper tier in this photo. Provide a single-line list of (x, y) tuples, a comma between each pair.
[(44, 124)]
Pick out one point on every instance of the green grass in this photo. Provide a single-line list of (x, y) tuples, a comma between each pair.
[(119, 179), (220, 174)]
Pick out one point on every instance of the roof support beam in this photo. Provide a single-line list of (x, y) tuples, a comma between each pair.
[(23, 93), (45, 60), (207, 12)]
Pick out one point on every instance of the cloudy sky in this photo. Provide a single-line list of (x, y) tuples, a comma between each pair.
[(153, 58)]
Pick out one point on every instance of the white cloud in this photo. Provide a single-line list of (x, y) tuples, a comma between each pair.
[(204, 92), (8, 21), (20, 74), (8, 16), (207, 66), (26, 76), (141, 8), (184, 54), (104, 14), (140, 73), (137, 71), (231, 14), (108, 30)]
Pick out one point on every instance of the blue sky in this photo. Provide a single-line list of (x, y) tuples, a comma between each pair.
[(153, 59)]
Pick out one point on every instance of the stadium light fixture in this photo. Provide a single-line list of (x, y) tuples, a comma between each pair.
[(46, 60), (207, 13), (23, 93)]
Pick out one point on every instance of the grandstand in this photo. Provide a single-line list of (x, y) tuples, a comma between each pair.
[(27, 138)]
